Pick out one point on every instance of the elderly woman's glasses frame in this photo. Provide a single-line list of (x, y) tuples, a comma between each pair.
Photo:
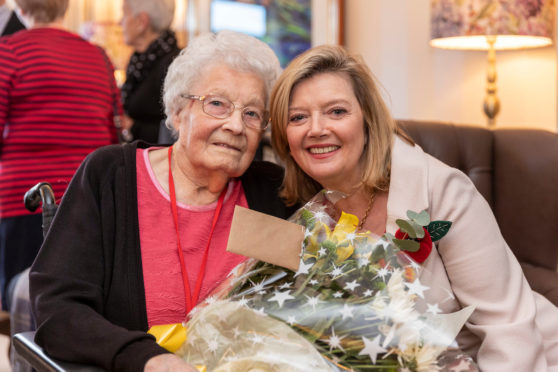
[(222, 108)]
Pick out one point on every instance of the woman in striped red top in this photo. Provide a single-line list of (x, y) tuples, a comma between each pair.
[(58, 98)]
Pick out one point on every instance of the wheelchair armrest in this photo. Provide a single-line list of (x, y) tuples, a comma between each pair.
[(26, 347)]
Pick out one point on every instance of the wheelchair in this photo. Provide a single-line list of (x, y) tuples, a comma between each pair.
[(24, 347)]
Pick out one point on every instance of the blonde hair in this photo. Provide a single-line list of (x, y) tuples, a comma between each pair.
[(43, 11), (378, 123)]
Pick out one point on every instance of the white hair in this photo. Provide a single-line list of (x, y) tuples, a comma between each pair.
[(160, 12), (238, 51)]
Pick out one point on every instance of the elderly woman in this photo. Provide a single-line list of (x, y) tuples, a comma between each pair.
[(145, 26), (333, 130), (58, 99), (140, 236)]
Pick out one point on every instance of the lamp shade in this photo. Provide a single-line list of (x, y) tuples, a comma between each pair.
[(516, 24)]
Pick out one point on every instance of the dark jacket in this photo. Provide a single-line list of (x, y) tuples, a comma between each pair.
[(14, 25), (144, 104), (86, 284)]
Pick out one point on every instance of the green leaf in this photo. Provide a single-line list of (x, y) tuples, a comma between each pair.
[(438, 229), (388, 237), (411, 228), (422, 218), (407, 245)]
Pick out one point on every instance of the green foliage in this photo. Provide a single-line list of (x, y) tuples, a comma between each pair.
[(411, 228), (407, 245), (438, 229), (422, 218)]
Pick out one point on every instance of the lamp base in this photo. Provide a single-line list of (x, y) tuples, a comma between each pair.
[(491, 103)]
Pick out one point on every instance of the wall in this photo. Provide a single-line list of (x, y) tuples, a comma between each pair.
[(425, 83)]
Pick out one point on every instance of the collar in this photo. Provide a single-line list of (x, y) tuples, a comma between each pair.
[(408, 189)]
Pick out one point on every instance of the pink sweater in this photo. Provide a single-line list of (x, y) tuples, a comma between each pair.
[(164, 291)]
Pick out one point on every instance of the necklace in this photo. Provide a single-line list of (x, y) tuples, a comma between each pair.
[(363, 219), (191, 299)]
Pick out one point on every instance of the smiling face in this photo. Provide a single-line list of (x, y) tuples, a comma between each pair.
[(206, 144), (325, 130)]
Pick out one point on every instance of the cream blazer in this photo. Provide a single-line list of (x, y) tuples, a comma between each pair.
[(512, 327)]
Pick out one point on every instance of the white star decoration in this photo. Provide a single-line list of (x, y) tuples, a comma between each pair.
[(285, 286), (352, 285), (310, 204), (236, 332), (338, 294), (320, 215), (417, 288), (450, 295), (312, 301), (257, 339), (243, 301), (433, 309), (307, 233), (210, 300), (212, 346), (234, 271), (372, 348), (382, 273), (363, 261), (334, 341), (194, 310), (258, 287), (415, 265), (313, 282), (303, 268), (291, 319), (322, 252), (347, 311), (336, 271), (350, 236), (368, 293), (281, 297)]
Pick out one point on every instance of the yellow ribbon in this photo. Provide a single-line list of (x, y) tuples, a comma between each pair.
[(171, 337)]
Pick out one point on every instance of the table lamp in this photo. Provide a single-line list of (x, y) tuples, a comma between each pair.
[(491, 25)]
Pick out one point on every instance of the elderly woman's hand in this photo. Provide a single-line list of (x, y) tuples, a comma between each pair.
[(168, 363)]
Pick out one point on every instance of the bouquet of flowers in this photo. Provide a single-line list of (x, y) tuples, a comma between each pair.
[(353, 304)]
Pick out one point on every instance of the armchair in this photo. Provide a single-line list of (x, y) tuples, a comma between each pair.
[(516, 170)]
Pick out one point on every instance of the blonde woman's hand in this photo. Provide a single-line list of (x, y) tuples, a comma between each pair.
[(167, 363)]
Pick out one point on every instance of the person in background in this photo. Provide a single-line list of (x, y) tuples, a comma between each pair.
[(333, 131), (145, 25), (9, 21), (58, 99), (140, 237)]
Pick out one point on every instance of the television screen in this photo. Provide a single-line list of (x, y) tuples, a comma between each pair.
[(242, 17)]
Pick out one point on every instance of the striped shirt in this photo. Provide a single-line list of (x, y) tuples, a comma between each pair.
[(58, 98)]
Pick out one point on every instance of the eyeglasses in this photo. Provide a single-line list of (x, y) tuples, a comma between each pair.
[(222, 108)]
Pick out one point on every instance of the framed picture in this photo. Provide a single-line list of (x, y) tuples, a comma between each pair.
[(289, 26)]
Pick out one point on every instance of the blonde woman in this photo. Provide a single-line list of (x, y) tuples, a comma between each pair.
[(333, 130)]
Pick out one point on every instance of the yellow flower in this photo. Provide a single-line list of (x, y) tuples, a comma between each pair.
[(346, 225), (340, 237)]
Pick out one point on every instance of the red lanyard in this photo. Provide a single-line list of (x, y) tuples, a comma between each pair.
[(191, 301)]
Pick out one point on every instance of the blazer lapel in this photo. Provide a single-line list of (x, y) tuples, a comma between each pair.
[(408, 188)]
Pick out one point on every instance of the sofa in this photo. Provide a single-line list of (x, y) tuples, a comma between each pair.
[(516, 170)]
